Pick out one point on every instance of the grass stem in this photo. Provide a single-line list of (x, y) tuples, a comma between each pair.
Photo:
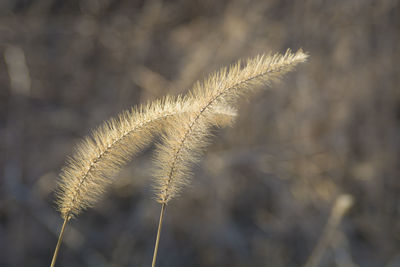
[(158, 234), (53, 261)]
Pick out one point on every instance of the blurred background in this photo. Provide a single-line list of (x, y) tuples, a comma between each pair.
[(308, 176)]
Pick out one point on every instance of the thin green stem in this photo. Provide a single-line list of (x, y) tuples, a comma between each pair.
[(53, 261), (158, 234)]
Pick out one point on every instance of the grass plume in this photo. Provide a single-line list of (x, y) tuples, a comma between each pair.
[(186, 137), (98, 157)]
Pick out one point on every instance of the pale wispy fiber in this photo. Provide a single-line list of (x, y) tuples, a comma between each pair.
[(186, 137)]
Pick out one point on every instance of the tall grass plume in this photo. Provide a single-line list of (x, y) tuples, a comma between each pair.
[(186, 138), (98, 157)]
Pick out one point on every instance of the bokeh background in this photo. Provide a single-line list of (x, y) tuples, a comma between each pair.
[(308, 176)]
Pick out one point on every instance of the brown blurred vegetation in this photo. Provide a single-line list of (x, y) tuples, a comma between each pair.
[(265, 189)]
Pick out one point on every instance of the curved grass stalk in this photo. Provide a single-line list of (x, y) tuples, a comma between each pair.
[(100, 156), (186, 138)]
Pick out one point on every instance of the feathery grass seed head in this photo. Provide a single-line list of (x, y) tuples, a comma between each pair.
[(186, 137)]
